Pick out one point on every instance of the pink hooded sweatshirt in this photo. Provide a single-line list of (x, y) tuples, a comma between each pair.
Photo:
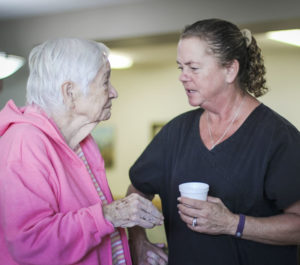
[(50, 212)]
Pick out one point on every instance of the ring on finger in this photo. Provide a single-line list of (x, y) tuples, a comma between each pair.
[(194, 223)]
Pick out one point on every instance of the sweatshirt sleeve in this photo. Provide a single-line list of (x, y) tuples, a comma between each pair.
[(36, 231)]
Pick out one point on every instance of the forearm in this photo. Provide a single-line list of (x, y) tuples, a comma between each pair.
[(35, 227), (132, 189), (34, 245), (136, 233), (214, 218), (281, 229)]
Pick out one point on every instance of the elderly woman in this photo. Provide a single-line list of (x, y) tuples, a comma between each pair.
[(55, 203), (245, 151)]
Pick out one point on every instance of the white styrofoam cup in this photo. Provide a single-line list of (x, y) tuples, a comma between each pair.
[(194, 190)]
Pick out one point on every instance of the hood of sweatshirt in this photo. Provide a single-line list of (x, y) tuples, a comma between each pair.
[(11, 114)]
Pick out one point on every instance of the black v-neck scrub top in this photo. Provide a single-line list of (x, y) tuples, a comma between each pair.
[(255, 172)]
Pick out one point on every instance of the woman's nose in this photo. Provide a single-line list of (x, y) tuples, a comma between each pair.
[(183, 76), (113, 93)]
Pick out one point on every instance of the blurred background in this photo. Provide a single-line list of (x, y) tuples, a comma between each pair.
[(147, 31)]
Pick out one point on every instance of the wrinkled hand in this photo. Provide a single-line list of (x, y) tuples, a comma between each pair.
[(144, 252), (213, 217), (133, 210)]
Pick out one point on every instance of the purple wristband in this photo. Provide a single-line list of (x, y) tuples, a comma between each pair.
[(240, 227)]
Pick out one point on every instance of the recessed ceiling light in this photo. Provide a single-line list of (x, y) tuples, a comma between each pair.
[(119, 61), (291, 36)]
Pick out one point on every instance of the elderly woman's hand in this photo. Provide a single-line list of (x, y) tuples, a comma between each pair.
[(212, 216), (131, 211)]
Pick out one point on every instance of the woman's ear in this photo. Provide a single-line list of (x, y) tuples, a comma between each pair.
[(68, 93), (232, 71)]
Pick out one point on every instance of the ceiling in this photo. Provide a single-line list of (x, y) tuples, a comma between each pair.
[(10, 9), (144, 50)]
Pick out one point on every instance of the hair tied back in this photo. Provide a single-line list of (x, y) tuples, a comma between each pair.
[(247, 36)]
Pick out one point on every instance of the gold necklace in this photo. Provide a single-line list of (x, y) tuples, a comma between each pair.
[(227, 128)]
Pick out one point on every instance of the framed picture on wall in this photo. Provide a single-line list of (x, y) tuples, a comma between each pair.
[(155, 128), (104, 136)]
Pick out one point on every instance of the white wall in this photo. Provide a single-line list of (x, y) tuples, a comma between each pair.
[(283, 78), (146, 95)]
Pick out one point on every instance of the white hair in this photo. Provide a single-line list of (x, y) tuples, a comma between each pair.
[(60, 60)]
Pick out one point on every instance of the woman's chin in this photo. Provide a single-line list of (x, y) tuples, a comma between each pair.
[(106, 116), (194, 103)]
